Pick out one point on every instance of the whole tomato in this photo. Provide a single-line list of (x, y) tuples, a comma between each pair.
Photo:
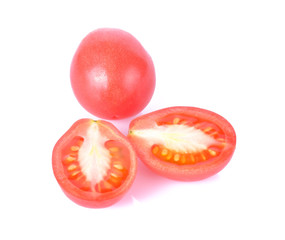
[(112, 75)]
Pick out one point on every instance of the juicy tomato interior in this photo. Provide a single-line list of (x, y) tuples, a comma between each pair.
[(183, 143), (190, 155), (92, 159), (113, 178)]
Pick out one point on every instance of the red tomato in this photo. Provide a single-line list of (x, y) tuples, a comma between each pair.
[(183, 143), (94, 163), (112, 75)]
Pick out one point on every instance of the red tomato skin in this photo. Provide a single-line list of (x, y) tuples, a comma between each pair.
[(91, 199), (112, 75), (193, 172)]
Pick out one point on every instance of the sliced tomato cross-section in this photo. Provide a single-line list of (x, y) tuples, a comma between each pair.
[(94, 163), (183, 143)]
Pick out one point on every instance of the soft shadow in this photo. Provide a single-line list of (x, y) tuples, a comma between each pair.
[(146, 185), (122, 125), (211, 179)]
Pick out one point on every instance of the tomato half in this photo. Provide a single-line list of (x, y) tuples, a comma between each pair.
[(183, 143), (94, 163), (112, 75)]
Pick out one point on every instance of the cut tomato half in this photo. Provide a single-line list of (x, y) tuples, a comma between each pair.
[(183, 143), (94, 163)]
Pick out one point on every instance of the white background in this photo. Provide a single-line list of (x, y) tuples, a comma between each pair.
[(225, 56)]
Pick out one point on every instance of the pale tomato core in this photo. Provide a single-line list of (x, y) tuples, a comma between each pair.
[(182, 140)]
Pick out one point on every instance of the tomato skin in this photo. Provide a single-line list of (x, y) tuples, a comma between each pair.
[(112, 75), (91, 199), (190, 172)]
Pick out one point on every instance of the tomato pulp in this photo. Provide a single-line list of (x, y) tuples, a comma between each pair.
[(94, 163), (183, 143), (112, 75)]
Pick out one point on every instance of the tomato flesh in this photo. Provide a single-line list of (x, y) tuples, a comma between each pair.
[(113, 178), (191, 157), (94, 163), (183, 143)]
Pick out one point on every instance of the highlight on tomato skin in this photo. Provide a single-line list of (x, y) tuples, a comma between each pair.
[(112, 75), (183, 143), (94, 164)]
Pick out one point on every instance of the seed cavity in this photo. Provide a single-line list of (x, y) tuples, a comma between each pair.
[(221, 139), (183, 159), (113, 149), (114, 175), (164, 152), (208, 129), (176, 157), (155, 149), (96, 163), (179, 143), (212, 152), (70, 159), (184, 122), (213, 134), (169, 155), (71, 167), (176, 120), (74, 148), (118, 166), (178, 138), (75, 175), (192, 158)]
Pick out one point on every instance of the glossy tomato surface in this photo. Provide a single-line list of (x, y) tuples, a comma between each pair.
[(94, 163), (183, 143), (112, 75)]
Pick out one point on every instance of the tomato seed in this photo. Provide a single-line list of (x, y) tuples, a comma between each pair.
[(208, 129), (213, 134), (176, 120), (212, 152), (203, 157), (71, 167), (169, 156), (74, 175), (155, 149), (176, 157), (164, 152), (118, 166), (192, 158), (70, 159), (113, 149), (183, 159), (74, 148), (114, 175)]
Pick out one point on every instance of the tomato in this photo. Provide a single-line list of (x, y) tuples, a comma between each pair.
[(112, 75), (94, 163), (183, 143)]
